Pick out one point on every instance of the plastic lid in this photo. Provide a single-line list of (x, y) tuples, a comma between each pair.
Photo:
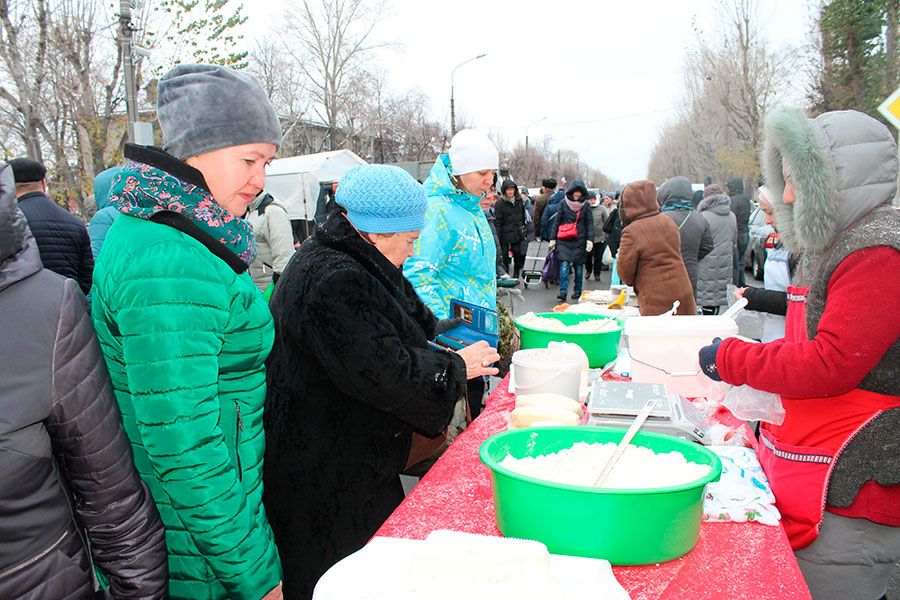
[(546, 357), (681, 325)]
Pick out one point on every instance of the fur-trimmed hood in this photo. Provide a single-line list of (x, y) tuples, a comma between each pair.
[(843, 164), (717, 203)]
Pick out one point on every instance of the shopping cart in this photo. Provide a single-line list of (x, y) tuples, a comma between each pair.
[(532, 275)]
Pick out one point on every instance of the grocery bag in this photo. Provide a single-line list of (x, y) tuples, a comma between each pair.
[(550, 271)]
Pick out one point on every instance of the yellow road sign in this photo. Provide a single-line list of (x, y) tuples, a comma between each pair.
[(890, 108)]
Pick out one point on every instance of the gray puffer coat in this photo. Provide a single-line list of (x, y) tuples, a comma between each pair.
[(714, 272), (696, 239), (60, 429)]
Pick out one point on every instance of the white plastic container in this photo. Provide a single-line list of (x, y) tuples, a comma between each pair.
[(546, 370), (664, 350)]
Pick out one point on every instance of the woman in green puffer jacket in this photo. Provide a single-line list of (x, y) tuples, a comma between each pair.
[(185, 332)]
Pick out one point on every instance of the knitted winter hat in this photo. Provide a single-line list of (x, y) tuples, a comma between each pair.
[(202, 108), (472, 151), (382, 199)]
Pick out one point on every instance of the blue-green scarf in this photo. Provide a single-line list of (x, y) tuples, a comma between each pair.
[(152, 181), (677, 204)]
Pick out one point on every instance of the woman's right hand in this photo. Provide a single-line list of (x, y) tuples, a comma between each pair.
[(274, 593), (479, 357), (739, 293)]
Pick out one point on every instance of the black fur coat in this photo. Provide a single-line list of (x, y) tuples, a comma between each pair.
[(351, 375)]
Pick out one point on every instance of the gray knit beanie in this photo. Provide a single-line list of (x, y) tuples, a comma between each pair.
[(202, 108)]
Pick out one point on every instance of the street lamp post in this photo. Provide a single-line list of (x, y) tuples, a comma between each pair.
[(527, 127), (559, 152), (452, 107)]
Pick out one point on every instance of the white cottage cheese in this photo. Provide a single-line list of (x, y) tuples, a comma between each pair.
[(581, 464), (550, 324)]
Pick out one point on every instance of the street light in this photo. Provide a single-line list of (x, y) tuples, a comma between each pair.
[(527, 127), (452, 108), (559, 151), (527, 166)]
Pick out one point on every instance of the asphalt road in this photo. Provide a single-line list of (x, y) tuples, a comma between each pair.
[(539, 298)]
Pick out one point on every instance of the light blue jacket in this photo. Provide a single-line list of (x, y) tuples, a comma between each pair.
[(106, 213), (455, 256)]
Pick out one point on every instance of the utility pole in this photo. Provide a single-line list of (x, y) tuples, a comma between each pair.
[(126, 31), (138, 132)]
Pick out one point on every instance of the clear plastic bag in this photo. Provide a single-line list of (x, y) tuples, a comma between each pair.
[(750, 404)]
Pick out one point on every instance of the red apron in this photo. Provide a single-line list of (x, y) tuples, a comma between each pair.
[(799, 455)]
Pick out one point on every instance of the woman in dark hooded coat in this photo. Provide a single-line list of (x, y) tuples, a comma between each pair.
[(573, 251), (511, 222)]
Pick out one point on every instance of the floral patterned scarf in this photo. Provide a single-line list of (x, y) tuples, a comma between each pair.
[(152, 181)]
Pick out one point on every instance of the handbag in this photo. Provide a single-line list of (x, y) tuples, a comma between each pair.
[(569, 231), (423, 447)]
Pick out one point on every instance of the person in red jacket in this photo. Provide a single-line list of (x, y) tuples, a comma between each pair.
[(833, 463)]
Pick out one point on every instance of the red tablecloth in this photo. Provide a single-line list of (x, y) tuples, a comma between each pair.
[(731, 560)]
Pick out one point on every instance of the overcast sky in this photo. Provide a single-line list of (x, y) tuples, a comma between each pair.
[(605, 74)]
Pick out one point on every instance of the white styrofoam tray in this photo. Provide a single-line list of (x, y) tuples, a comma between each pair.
[(378, 572)]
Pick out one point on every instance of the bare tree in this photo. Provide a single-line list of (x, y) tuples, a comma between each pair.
[(733, 78), (329, 40), (286, 86), (61, 94), (23, 52)]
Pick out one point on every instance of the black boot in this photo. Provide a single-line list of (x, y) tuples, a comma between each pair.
[(561, 297)]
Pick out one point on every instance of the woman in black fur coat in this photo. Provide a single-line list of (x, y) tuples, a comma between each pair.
[(352, 375)]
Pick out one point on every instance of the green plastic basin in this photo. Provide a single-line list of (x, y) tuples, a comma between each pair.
[(601, 348), (623, 526)]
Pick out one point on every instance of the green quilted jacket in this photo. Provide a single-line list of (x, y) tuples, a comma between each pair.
[(185, 339)]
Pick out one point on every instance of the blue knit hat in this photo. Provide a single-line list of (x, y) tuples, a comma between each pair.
[(382, 199)]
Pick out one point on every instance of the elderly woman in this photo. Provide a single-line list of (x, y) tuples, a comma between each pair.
[(352, 375), (185, 332), (833, 462), (455, 257)]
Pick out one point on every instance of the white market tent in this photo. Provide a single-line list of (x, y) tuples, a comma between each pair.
[(294, 181)]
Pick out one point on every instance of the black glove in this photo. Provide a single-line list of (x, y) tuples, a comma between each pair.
[(445, 325), (708, 360)]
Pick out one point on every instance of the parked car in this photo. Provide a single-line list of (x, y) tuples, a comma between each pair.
[(755, 258)]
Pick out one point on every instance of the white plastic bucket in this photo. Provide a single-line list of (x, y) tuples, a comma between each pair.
[(665, 350), (539, 370)]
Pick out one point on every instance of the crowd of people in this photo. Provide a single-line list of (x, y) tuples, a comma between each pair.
[(193, 409)]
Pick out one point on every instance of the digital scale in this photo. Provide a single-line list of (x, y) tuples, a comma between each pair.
[(616, 403)]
